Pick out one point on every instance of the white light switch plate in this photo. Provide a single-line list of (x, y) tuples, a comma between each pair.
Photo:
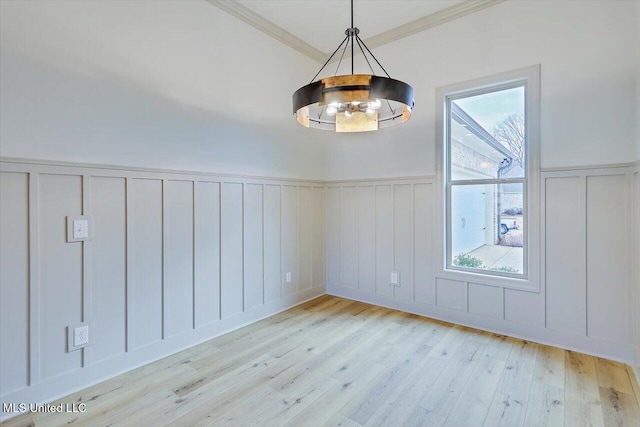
[(79, 228), (288, 277)]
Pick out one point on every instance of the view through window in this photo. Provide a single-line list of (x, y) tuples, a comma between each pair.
[(486, 181)]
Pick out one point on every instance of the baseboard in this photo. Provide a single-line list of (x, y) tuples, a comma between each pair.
[(611, 350), (73, 381)]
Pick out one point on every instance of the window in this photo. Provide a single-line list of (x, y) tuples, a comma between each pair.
[(488, 173)]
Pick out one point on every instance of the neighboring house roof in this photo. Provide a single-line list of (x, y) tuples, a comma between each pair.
[(473, 127)]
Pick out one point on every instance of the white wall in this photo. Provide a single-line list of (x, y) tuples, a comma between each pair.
[(181, 85), (377, 226), (168, 84), (175, 259), (638, 80), (588, 83), (588, 53)]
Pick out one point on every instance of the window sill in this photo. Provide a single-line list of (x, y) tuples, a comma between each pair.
[(526, 284)]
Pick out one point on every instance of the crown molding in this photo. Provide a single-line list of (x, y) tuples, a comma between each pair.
[(247, 15), (440, 17), (443, 16)]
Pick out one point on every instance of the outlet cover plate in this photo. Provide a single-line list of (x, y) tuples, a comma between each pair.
[(76, 331), (287, 277), (394, 278)]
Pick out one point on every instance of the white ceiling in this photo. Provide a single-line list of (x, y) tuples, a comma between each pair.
[(321, 23)]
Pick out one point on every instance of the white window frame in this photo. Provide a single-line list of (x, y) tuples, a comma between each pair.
[(529, 78)]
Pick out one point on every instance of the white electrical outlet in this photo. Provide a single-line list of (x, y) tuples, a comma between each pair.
[(81, 335), (77, 336), (395, 278), (288, 277)]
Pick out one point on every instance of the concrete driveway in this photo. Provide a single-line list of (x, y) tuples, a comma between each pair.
[(495, 256)]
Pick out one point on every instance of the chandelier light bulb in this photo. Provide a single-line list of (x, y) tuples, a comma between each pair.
[(370, 111), (348, 114), (332, 110)]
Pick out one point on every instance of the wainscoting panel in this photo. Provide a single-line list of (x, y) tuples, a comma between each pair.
[(207, 249), (349, 237), (232, 249), (60, 293), (253, 246), (384, 239), (333, 236), (366, 226), (451, 294), (318, 266), (109, 268), (564, 256), (403, 244), (175, 258), (272, 240), (14, 294), (145, 269), (423, 204), (608, 260), (290, 238), (585, 278), (304, 220), (486, 300), (178, 257)]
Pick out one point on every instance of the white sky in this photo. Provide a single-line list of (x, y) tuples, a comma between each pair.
[(490, 109)]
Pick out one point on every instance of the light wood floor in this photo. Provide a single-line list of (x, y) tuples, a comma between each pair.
[(335, 362)]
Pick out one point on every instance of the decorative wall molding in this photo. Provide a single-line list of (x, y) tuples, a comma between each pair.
[(396, 179), (440, 17), (176, 258), (248, 16), (443, 16), (583, 301), (129, 169), (589, 167)]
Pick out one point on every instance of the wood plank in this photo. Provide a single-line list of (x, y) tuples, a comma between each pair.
[(546, 406), (618, 408), (449, 345), (582, 395), (613, 375), (498, 346), (549, 367), (473, 405), (333, 361), (402, 404), (444, 393), (510, 402)]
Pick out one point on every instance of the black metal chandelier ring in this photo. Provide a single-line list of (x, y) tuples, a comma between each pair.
[(353, 102)]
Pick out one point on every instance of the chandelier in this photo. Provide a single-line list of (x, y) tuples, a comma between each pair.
[(353, 102)]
